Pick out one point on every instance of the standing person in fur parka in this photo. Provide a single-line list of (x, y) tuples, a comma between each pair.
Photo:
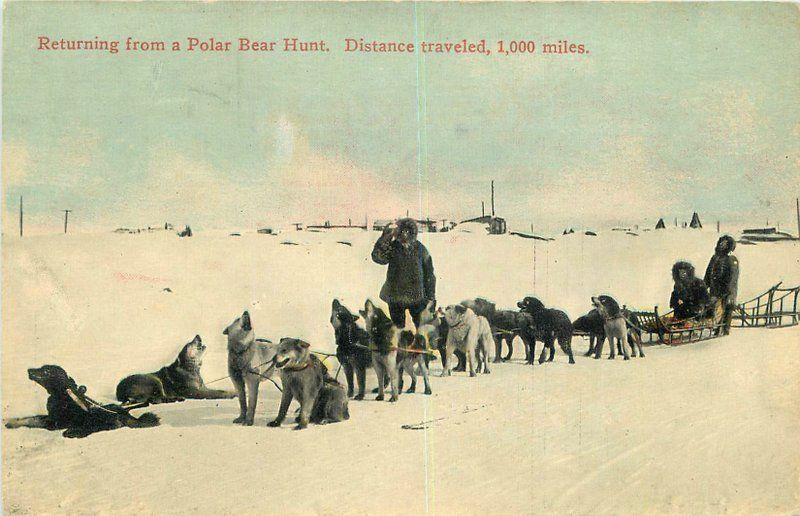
[(689, 296), (410, 281), (722, 279)]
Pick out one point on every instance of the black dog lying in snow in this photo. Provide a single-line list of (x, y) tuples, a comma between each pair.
[(69, 409), (549, 325)]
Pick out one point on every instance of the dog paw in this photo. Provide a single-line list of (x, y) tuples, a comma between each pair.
[(627, 358), (611, 357), (571, 360), (274, 424), (498, 360), (248, 422), (471, 375), (596, 357), (393, 399), (301, 426), (411, 390), (379, 397), (359, 397), (239, 420), (428, 392)]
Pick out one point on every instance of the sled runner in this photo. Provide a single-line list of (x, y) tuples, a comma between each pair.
[(666, 329), (775, 308)]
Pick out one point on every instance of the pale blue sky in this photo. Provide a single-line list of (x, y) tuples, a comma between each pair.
[(678, 107)]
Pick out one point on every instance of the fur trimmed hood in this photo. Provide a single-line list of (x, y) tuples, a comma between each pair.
[(682, 266), (727, 239), (408, 224)]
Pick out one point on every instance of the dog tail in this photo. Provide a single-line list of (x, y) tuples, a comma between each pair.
[(146, 420)]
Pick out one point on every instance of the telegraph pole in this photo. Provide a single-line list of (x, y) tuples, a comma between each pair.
[(20, 216), (492, 197), (797, 200), (66, 219)]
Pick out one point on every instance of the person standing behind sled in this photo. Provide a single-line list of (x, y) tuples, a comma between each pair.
[(722, 279), (689, 297), (410, 282)]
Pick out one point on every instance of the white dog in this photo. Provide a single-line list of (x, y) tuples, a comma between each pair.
[(471, 334)]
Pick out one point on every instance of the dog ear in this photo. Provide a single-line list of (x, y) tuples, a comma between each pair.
[(197, 339), (355, 317), (460, 309), (363, 313), (336, 304), (225, 331), (304, 344)]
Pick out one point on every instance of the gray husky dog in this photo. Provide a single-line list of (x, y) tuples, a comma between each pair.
[(249, 362), (613, 326), (322, 400), (174, 382)]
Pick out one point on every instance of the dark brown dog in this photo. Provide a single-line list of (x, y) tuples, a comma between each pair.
[(549, 325), (69, 409)]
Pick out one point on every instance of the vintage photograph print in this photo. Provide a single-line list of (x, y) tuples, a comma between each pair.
[(400, 258)]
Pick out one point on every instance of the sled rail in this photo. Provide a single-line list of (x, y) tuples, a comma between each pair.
[(775, 308)]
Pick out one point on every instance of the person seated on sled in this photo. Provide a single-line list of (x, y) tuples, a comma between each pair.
[(689, 296), (722, 279)]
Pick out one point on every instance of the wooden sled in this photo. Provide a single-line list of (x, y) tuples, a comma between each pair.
[(775, 308), (665, 329)]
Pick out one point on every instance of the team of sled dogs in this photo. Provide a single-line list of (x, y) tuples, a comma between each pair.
[(468, 331)]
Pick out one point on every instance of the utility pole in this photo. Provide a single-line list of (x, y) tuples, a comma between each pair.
[(483, 210), (20, 216), (492, 197), (717, 226), (797, 200), (66, 219)]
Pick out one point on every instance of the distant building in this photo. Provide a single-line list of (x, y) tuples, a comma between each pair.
[(695, 223), (660, 224), (423, 226), (497, 225)]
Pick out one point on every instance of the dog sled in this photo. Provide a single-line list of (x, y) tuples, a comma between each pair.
[(775, 308), (666, 329)]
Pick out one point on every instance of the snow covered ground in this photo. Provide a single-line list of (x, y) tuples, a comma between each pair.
[(710, 427)]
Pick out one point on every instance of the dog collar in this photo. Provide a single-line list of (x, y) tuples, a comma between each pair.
[(295, 369)]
